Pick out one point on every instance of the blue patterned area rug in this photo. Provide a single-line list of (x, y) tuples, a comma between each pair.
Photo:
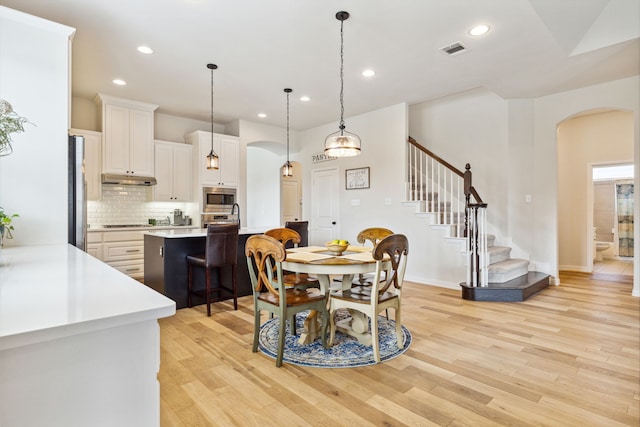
[(346, 351)]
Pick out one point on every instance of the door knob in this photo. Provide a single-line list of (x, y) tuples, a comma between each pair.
[(333, 223)]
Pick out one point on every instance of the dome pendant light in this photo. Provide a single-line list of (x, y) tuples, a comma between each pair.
[(287, 168), (342, 143), (213, 162)]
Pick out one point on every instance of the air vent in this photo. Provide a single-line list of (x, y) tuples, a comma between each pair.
[(454, 48)]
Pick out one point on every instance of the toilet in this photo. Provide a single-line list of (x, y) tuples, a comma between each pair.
[(601, 247)]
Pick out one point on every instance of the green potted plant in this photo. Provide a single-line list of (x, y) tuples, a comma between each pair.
[(5, 225), (10, 122)]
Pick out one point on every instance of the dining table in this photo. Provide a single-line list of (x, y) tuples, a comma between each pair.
[(318, 261)]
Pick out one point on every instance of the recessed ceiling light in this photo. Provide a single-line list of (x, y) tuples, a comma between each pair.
[(119, 82), (145, 49), (479, 30), (305, 98), (262, 115), (368, 73)]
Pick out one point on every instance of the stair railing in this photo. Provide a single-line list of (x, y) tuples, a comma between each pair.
[(448, 193)]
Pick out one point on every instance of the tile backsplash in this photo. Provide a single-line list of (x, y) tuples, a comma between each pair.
[(132, 204)]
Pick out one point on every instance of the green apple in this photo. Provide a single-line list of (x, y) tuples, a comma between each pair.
[(344, 242), (335, 242)]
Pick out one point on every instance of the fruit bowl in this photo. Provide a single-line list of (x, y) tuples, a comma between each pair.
[(336, 248)]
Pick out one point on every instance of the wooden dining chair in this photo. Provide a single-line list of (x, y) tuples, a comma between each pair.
[(269, 293), (383, 293), (372, 235), (289, 236)]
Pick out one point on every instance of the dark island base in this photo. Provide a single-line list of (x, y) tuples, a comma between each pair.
[(166, 271)]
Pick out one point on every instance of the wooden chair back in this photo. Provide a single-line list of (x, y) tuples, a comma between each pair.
[(396, 248), (373, 235), (264, 255), (284, 235)]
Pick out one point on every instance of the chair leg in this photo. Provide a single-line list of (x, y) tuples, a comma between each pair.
[(189, 284), (256, 329), (208, 289), (294, 330), (399, 336), (235, 287), (281, 335), (374, 338), (323, 328), (332, 320)]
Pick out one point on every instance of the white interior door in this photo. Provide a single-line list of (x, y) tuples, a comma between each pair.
[(324, 206), (291, 204)]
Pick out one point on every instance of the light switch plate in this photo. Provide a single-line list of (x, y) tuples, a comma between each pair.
[(355, 202), (387, 201)]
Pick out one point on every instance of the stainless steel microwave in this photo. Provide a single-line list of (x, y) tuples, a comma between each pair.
[(218, 199)]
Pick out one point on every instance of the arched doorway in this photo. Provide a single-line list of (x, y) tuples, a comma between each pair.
[(589, 138)]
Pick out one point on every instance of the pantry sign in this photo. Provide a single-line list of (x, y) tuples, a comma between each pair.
[(321, 157)]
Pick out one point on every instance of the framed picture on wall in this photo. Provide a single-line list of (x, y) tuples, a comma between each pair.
[(356, 179)]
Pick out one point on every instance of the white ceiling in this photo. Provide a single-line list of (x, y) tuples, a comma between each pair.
[(534, 48)]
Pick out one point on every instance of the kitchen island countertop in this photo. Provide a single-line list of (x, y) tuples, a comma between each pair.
[(200, 232)]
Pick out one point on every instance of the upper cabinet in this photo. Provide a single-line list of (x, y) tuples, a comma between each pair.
[(228, 150), (92, 161), (173, 172), (127, 131)]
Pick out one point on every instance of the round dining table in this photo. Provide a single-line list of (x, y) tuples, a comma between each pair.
[(321, 263)]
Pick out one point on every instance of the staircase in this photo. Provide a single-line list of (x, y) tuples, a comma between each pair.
[(445, 197)]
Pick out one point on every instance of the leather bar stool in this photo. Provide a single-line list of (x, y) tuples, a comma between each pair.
[(221, 250), (302, 227)]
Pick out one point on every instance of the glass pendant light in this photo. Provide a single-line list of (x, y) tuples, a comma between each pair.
[(342, 143), (287, 168), (213, 162)]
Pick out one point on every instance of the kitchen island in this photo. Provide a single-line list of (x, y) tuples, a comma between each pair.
[(79, 341), (165, 264)]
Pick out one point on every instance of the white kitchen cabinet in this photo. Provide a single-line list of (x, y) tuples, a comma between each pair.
[(173, 172), (228, 150), (127, 130), (92, 161), (122, 250)]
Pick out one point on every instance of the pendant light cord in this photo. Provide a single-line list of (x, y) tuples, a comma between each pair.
[(287, 126), (341, 76), (211, 109)]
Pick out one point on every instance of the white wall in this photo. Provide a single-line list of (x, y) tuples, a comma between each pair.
[(551, 110), (34, 78), (583, 142)]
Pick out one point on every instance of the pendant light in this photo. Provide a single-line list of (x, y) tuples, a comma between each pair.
[(287, 168), (212, 159), (342, 143)]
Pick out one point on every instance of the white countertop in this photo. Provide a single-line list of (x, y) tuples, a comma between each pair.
[(95, 228), (54, 291), (200, 232)]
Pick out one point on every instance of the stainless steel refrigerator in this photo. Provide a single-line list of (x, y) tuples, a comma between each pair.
[(77, 193)]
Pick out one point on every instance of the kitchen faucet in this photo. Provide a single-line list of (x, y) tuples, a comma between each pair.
[(233, 210)]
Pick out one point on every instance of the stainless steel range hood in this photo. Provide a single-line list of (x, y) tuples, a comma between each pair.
[(128, 179)]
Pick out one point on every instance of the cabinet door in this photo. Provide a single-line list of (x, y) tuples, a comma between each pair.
[(163, 191), (229, 162), (116, 140), (141, 142), (182, 172)]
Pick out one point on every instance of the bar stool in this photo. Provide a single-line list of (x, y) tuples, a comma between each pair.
[(221, 249), (302, 227)]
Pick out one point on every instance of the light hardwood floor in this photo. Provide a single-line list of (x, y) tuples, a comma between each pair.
[(568, 356)]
